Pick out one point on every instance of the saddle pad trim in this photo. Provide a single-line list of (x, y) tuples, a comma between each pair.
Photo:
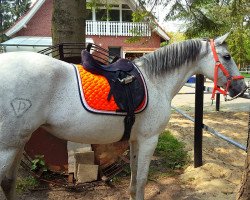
[(95, 111)]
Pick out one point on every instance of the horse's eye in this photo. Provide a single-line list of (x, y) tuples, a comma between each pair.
[(227, 57)]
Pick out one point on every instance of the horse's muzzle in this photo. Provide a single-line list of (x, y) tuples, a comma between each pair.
[(237, 88)]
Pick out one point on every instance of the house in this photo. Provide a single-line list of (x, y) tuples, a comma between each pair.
[(108, 29)]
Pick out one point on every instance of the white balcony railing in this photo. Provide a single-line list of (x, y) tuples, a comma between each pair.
[(117, 28)]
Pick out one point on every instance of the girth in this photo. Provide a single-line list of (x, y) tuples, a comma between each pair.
[(126, 86)]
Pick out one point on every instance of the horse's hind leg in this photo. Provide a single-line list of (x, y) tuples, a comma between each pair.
[(9, 160)]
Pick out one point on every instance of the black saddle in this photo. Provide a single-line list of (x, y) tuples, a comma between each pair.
[(126, 85), (93, 66)]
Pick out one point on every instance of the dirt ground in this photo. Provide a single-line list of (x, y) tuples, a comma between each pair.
[(217, 179)]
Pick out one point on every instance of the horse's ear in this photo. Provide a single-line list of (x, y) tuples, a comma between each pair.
[(220, 40)]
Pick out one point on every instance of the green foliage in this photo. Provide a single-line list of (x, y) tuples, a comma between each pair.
[(171, 151), (165, 43), (93, 4), (177, 37), (10, 11), (210, 18), (137, 16), (245, 75), (140, 15), (26, 183), (38, 164), (133, 39)]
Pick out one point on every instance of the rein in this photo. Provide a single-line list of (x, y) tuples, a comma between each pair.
[(219, 65)]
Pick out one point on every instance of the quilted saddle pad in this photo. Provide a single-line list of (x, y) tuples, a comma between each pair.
[(94, 90)]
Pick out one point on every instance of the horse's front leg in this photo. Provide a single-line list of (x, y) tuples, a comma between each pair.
[(145, 153), (133, 167)]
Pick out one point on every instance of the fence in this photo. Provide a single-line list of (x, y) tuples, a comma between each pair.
[(198, 121), (245, 69)]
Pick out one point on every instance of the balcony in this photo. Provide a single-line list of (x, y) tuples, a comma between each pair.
[(107, 28)]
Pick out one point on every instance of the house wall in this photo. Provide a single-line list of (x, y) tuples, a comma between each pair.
[(40, 25), (109, 41)]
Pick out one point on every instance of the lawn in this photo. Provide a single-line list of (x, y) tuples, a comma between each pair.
[(245, 75)]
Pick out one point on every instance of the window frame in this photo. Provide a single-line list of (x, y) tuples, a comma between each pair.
[(118, 7)]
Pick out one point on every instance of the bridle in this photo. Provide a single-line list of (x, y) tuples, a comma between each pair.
[(219, 65)]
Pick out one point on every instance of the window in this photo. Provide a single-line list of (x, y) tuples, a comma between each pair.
[(111, 12), (114, 6), (114, 51), (127, 15), (114, 15), (89, 14), (125, 6), (101, 15)]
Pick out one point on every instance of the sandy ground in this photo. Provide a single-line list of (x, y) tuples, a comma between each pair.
[(217, 179), (220, 174)]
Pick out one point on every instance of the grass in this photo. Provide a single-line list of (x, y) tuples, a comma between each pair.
[(171, 151), (245, 75), (170, 158), (24, 184)]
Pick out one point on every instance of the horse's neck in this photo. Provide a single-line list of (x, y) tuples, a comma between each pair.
[(177, 79), (173, 81)]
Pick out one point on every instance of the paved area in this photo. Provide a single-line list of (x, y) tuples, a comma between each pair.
[(187, 101)]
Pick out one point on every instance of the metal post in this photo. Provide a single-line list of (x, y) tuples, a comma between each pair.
[(218, 102), (198, 125), (61, 53)]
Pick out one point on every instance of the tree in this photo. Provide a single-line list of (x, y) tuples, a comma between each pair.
[(244, 191), (20, 7), (68, 22), (10, 11), (210, 18)]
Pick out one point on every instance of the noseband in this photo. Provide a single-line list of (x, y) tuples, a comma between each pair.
[(219, 65)]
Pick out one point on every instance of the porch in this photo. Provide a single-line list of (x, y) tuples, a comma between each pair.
[(112, 28)]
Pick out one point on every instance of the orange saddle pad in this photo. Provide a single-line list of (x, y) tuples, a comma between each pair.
[(94, 90)]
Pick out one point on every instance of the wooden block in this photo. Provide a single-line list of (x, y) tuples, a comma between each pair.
[(71, 168), (75, 147), (86, 173), (85, 158), (72, 149), (71, 164), (83, 149), (71, 178)]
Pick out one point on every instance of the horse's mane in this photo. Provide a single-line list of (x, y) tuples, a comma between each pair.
[(171, 57)]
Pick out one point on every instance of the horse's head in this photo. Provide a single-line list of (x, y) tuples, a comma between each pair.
[(221, 68)]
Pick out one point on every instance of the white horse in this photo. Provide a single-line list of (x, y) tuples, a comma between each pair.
[(39, 91)]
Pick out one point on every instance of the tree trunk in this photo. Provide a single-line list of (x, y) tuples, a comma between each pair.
[(244, 192), (68, 22)]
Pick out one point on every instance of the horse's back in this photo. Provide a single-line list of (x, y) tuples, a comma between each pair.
[(30, 80), (26, 62), (24, 72)]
